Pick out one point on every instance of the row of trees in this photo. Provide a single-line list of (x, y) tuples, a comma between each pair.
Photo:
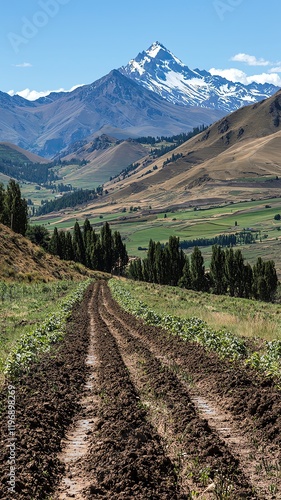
[(70, 200), (228, 272), (13, 208), (103, 252), (224, 240)]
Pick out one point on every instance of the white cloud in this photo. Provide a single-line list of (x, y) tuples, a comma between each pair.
[(273, 78), (236, 75), (32, 95), (250, 60), (276, 69), (232, 74), (23, 65)]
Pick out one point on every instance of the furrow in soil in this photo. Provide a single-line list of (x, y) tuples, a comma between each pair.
[(126, 458), (259, 460)]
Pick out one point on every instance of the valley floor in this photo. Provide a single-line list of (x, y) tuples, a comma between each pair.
[(124, 410)]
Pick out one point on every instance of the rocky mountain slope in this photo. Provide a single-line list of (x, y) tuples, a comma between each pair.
[(159, 70), (155, 94), (115, 105)]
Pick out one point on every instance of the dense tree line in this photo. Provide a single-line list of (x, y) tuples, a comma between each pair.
[(13, 208), (224, 240), (177, 139), (69, 200), (18, 166), (228, 273), (102, 252)]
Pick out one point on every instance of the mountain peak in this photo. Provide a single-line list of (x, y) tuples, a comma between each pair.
[(159, 70), (155, 48)]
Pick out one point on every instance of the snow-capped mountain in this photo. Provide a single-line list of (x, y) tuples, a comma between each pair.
[(159, 70)]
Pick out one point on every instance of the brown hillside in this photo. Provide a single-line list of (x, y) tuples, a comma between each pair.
[(237, 157), (32, 157), (22, 261), (106, 159)]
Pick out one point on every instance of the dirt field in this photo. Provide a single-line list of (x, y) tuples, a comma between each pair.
[(125, 411)]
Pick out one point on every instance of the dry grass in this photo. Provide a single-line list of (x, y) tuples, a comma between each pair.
[(246, 318), (22, 261)]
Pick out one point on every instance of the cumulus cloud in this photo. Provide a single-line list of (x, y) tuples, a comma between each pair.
[(32, 95), (236, 75), (232, 74), (273, 78), (250, 60)]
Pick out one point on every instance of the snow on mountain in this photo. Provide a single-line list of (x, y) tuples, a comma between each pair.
[(157, 69)]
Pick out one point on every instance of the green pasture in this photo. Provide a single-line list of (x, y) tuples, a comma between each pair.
[(189, 224)]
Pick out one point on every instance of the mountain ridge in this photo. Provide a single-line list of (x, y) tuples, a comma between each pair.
[(236, 157), (160, 71), (155, 94), (113, 102)]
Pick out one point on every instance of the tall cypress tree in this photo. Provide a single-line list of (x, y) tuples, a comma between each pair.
[(240, 273), (107, 247), (176, 259), (185, 280), (54, 245), (151, 261), (88, 243), (120, 253), (69, 254), (265, 280), (78, 245), (197, 271), (217, 270), (230, 271), (15, 212)]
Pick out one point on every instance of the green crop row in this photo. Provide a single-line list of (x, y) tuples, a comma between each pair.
[(269, 361), (191, 329), (51, 331), (224, 343)]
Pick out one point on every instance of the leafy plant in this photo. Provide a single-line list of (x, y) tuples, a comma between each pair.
[(51, 331), (192, 329)]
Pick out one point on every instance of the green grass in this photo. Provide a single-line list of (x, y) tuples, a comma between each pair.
[(23, 307), (242, 317), (214, 329)]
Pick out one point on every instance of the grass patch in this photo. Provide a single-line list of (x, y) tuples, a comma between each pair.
[(23, 308), (262, 355), (242, 317)]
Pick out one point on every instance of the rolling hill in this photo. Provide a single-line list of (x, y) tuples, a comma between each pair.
[(20, 164), (21, 260), (236, 158), (104, 156)]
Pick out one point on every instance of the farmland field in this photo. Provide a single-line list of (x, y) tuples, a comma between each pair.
[(123, 410), (136, 228)]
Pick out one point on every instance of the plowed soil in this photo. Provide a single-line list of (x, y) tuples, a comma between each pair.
[(125, 411)]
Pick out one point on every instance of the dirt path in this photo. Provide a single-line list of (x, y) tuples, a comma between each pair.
[(75, 446), (260, 463), (124, 411)]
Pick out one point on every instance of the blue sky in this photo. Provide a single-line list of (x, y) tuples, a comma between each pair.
[(58, 44)]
